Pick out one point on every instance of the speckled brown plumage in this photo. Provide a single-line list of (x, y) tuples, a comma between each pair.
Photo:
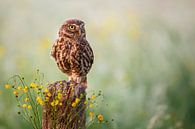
[(72, 51)]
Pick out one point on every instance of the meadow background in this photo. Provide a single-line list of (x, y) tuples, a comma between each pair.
[(144, 57)]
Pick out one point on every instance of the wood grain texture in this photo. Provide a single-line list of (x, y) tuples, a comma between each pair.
[(65, 116)]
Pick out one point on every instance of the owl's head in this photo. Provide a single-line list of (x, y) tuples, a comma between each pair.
[(73, 28)]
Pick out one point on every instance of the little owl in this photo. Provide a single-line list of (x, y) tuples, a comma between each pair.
[(72, 52)]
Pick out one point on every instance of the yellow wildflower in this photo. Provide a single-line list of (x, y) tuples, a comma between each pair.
[(15, 93), (77, 100), (91, 105), (100, 117), (40, 101), (46, 90), (60, 104), (49, 94), (0, 92), (24, 106), (74, 104), (26, 99), (19, 88), (59, 96), (85, 102), (53, 104), (91, 114), (38, 98), (29, 107), (33, 85), (46, 98), (7, 86), (56, 102), (25, 90), (93, 97)]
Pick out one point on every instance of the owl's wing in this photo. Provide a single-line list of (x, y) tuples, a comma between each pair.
[(81, 58), (53, 50), (91, 54), (88, 56)]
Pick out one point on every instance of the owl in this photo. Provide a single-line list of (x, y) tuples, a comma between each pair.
[(72, 52)]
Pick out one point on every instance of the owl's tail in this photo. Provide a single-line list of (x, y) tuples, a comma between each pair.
[(79, 79)]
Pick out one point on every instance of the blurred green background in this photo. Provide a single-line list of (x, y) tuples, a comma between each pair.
[(144, 56)]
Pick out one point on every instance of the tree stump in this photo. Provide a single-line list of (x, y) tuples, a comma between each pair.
[(65, 106)]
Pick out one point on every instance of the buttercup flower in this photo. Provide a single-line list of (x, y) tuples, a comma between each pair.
[(15, 93), (91, 105), (19, 88), (29, 107), (74, 104), (93, 97), (56, 102), (91, 115), (85, 102), (46, 90), (49, 94), (53, 104), (59, 96), (24, 106), (100, 117), (46, 98), (77, 100), (40, 101), (33, 85), (7, 86), (26, 99), (25, 90)]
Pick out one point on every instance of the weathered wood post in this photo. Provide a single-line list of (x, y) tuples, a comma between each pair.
[(65, 106)]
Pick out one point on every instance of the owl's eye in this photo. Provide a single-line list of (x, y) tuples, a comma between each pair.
[(71, 27)]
